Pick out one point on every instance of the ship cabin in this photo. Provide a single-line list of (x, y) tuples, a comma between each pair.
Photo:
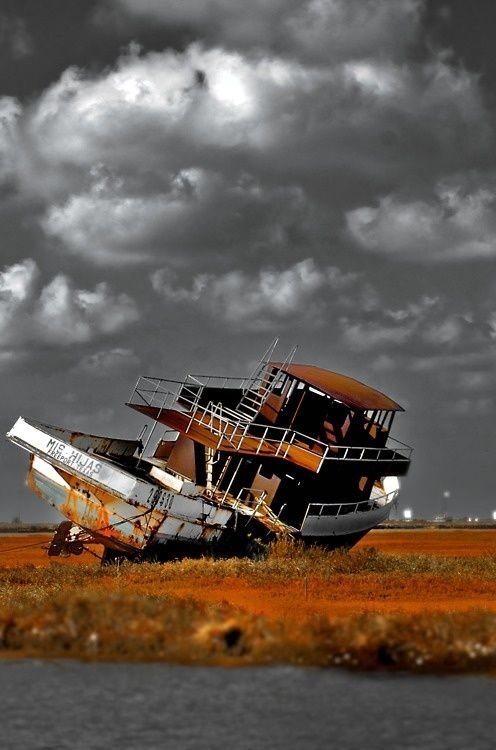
[(297, 438)]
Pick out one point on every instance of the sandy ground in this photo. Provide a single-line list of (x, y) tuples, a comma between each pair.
[(339, 596)]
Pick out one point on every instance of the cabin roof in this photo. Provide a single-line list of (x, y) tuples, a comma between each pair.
[(348, 390)]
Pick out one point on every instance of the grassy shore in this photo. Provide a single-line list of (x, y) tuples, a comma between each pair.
[(297, 606)]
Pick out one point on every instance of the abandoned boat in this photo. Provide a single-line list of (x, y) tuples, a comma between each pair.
[(293, 450)]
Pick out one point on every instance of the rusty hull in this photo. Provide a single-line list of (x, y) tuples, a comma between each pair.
[(120, 524), (107, 517)]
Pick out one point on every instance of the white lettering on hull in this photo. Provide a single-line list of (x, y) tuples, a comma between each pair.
[(73, 458), (137, 492)]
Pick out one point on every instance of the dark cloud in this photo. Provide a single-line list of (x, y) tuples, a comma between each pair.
[(14, 36), (312, 30)]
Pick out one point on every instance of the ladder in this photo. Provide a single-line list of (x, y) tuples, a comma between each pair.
[(261, 512), (268, 518), (261, 384)]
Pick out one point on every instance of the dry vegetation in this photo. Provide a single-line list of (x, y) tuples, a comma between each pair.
[(365, 609)]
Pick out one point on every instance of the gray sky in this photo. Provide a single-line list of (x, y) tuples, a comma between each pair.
[(181, 181)]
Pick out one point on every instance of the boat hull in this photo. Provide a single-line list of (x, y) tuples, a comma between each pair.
[(110, 520), (350, 524), (120, 510), (133, 515), (130, 530)]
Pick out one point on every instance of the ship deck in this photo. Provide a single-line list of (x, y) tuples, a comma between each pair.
[(219, 433), (233, 438)]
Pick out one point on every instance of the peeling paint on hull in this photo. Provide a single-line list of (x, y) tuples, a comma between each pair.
[(110, 523), (110, 520)]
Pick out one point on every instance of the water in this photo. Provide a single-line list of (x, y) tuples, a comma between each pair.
[(53, 706)]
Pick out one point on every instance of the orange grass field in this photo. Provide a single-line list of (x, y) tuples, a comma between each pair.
[(420, 600), (297, 598)]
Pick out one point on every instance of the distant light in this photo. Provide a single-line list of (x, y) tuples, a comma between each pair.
[(407, 514), (476, 519), (494, 515), (470, 520), (446, 494)]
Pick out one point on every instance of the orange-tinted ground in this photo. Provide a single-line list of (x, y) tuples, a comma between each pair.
[(31, 549), (451, 542), (295, 599)]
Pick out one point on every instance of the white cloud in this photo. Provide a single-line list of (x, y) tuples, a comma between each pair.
[(383, 363), (368, 335), (199, 212), (150, 111), (451, 361), (258, 301), (57, 314), (457, 224), (475, 380), (9, 359), (104, 227), (491, 321), (179, 153), (235, 162), (65, 315), (447, 331), (143, 111), (17, 287), (16, 284)]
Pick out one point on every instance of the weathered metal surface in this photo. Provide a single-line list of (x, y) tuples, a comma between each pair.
[(98, 472), (102, 513), (38, 438), (348, 390), (116, 521)]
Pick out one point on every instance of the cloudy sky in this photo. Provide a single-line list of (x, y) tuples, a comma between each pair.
[(181, 181)]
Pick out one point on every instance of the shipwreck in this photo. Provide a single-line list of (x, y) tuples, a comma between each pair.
[(224, 465)]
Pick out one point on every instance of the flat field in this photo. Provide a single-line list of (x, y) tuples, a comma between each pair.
[(402, 599)]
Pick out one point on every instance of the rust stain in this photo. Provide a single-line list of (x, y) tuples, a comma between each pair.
[(104, 515)]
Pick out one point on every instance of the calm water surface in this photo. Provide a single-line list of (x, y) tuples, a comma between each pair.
[(53, 706)]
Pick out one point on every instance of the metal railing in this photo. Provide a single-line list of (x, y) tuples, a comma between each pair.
[(256, 507), (230, 426), (150, 389), (152, 384), (341, 509)]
